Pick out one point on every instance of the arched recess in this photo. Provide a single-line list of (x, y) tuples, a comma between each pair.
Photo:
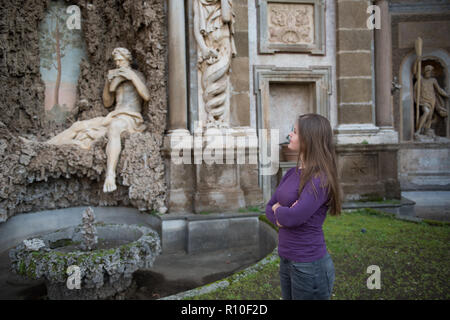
[(407, 116)]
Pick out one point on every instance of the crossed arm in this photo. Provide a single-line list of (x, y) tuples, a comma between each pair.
[(274, 209), (300, 211)]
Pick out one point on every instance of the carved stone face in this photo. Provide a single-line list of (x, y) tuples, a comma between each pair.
[(428, 73), (121, 61)]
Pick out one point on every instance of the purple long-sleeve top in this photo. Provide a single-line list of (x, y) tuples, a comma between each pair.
[(300, 238)]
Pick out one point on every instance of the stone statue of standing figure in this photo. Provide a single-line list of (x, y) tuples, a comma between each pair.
[(213, 31), (430, 101), (127, 88)]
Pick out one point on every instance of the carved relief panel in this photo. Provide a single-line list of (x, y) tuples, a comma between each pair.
[(291, 26), (290, 23), (357, 168)]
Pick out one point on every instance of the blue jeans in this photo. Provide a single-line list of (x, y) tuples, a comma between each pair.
[(307, 280)]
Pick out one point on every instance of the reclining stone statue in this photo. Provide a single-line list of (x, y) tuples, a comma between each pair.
[(127, 88)]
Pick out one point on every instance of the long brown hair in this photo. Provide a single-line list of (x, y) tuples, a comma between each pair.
[(319, 157)]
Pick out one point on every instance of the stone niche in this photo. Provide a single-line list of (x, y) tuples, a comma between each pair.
[(35, 176), (283, 94), (422, 165), (440, 60), (291, 26), (288, 100)]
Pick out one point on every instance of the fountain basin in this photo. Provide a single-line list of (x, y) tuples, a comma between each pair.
[(104, 272), (197, 249)]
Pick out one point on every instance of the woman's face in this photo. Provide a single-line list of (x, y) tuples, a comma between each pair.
[(294, 140)]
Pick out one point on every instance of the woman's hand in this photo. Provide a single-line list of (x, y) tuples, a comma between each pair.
[(275, 206)]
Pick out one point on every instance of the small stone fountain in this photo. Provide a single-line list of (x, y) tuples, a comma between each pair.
[(102, 256), (89, 231)]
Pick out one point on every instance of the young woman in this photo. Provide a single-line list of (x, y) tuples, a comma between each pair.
[(299, 207)]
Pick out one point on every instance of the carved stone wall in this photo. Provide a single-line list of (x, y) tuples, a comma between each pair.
[(36, 177)]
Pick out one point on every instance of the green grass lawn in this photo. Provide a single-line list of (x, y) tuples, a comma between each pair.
[(414, 260)]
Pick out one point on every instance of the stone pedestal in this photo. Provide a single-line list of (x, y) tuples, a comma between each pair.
[(212, 172), (249, 184), (219, 184), (180, 176), (218, 188), (181, 187), (424, 166), (368, 172)]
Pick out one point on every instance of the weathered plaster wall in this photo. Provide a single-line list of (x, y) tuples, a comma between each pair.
[(36, 176)]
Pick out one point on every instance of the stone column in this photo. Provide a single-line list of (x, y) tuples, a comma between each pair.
[(383, 67), (179, 175), (359, 85), (367, 144), (177, 69), (240, 94)]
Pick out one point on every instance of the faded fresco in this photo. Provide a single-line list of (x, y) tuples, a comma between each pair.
[(61, 50)]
